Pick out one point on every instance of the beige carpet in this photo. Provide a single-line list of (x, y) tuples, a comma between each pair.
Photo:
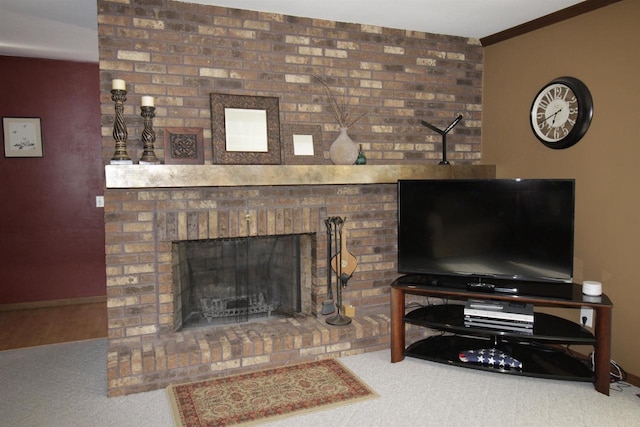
[(256, 397), (64, 385)]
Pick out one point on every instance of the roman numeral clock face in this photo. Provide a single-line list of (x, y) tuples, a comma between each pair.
[(561, 112)]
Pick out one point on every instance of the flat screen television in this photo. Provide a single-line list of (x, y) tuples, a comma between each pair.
[(491, 235)]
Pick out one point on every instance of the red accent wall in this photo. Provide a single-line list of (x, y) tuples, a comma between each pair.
[(51, 234)]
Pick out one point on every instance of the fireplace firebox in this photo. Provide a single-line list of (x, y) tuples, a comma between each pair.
[(223, 281)]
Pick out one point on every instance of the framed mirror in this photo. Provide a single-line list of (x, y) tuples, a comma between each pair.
[(245, 129)]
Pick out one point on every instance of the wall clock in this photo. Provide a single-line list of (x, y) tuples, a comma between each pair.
[(561, 112)]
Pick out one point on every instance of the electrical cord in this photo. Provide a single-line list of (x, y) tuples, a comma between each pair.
[(414, 304), (619, 386), (616, 374), (443, 301)]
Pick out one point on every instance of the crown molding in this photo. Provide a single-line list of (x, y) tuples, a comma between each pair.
[(544, 21)]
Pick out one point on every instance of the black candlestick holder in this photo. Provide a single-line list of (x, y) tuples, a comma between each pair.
[(148, 137), (120, 157)]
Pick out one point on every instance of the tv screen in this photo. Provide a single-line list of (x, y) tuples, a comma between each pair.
[(515, 229)]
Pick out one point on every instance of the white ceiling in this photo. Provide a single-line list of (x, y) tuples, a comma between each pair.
[(67, 29)]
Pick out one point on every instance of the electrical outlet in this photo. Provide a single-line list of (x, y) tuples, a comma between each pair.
[(586, 316), (99, 201)]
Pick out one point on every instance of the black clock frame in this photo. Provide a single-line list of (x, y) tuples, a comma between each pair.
[(585, 112)]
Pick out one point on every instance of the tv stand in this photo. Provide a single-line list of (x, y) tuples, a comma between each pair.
[(539, 352)]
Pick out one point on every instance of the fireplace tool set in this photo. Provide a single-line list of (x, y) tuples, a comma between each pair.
[(343, 265)]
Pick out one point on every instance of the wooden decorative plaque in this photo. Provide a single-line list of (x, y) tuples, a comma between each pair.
[(183, 146)]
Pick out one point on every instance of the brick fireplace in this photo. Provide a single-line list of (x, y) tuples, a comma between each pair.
[(182, 52), (142, 223)]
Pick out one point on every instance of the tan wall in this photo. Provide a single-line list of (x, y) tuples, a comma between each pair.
[(600, 48)]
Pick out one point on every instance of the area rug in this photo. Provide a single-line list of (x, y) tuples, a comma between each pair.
[(261, 396)]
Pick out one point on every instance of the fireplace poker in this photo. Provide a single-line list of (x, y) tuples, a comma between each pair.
[(337, 225), (328, 306)]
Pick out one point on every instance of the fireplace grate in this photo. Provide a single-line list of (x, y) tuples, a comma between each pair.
[(213, 308)]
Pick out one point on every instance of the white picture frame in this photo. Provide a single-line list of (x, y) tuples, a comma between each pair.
[(22, 137)]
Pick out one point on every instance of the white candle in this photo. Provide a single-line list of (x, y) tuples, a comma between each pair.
[(118, 84), (147, 101)]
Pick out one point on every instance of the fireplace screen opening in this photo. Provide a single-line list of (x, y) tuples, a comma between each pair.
[(225, 281)]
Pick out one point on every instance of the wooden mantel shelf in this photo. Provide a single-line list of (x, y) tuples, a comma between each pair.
[(174, 176)]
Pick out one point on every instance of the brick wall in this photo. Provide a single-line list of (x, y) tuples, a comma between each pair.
[(180, 53)]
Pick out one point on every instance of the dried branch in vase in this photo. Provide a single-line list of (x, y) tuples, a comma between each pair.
[(340, 110)]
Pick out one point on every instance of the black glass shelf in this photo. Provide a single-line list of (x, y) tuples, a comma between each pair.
[(537, 360), (546, 327), (544, 350)]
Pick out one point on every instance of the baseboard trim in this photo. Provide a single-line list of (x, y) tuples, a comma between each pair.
[(52, 303)]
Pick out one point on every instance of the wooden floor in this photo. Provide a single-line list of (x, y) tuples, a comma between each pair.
[(49, 325)]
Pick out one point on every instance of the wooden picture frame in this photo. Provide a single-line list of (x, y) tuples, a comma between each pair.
[(22, 137), (245, 129), (302, 144), (183, 146)]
